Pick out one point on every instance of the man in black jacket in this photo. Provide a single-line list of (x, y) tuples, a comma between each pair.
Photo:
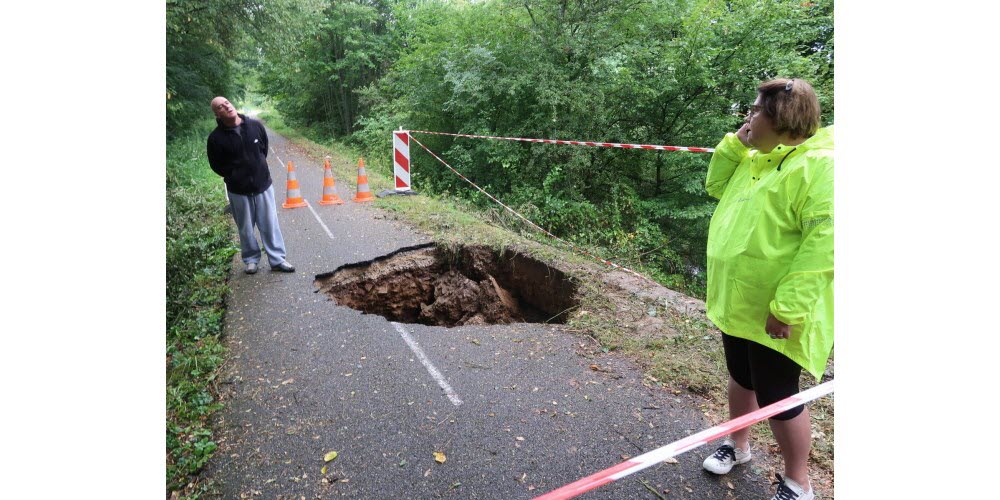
[(237, 150)]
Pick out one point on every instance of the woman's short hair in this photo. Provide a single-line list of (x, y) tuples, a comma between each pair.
[(791, 105)]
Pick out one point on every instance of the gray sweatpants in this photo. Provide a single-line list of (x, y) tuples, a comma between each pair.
[(258, 210)]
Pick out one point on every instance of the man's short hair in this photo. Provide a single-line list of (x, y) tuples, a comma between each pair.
[(791, 105)]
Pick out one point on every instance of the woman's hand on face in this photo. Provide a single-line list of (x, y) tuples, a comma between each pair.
[(776, 329), (741, 134)]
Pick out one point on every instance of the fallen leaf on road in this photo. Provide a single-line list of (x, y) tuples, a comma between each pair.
[(323, 470), (439, 457), (330, 456), (427, 473), (729, 484), (519, 438), (289, 381), (653, 490), (670, 460)]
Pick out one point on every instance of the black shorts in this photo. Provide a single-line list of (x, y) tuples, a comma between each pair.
[(770, 374)]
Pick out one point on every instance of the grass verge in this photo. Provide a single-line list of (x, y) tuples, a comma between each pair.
[(199, 249)]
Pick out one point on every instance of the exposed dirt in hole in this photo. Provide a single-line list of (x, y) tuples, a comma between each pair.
[(470, 285)]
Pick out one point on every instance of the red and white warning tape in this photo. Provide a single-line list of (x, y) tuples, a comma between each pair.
[(677, 447), (536, 226), (578, 143)]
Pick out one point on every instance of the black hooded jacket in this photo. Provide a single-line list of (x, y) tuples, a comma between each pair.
[(240, 158)]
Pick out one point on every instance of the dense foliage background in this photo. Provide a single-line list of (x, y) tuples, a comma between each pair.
[(675, 72)]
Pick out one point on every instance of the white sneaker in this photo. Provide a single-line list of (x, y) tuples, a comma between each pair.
[(790, 490), (724, 458)]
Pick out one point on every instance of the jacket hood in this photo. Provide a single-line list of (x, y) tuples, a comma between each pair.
[(822, 139), (243, 119)]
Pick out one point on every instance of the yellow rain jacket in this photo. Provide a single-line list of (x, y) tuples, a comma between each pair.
[(770, 245)]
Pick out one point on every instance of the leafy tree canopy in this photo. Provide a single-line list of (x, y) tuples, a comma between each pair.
[(675, 72)]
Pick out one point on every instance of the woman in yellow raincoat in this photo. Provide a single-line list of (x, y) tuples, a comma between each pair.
[(770, 268)]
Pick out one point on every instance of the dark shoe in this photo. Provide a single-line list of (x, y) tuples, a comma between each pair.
[(251, 268), (284, 267)]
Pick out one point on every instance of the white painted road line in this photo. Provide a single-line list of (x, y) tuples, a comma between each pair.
[(427, 364), (316, 215), (402, 331)]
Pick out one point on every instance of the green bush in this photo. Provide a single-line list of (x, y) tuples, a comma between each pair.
[(673, 73), (199, 250)]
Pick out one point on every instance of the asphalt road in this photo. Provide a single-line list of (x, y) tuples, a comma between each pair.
[(516, 409)]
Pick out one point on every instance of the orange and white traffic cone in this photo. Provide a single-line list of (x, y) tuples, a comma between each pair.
[(329, 197), (364, 194), (293, 196)]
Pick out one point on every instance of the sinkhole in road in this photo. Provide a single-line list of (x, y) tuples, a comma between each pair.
[(453, 286)]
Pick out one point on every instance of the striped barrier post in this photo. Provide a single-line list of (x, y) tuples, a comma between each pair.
[(401, 159), (400, 164)]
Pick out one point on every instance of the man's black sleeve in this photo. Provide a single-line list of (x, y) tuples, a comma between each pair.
[(219, 166), (263, 134)]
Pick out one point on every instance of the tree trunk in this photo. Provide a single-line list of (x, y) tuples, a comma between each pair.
[(659, 167)]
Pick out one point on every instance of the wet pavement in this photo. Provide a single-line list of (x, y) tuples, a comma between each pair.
[(514, 410)]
